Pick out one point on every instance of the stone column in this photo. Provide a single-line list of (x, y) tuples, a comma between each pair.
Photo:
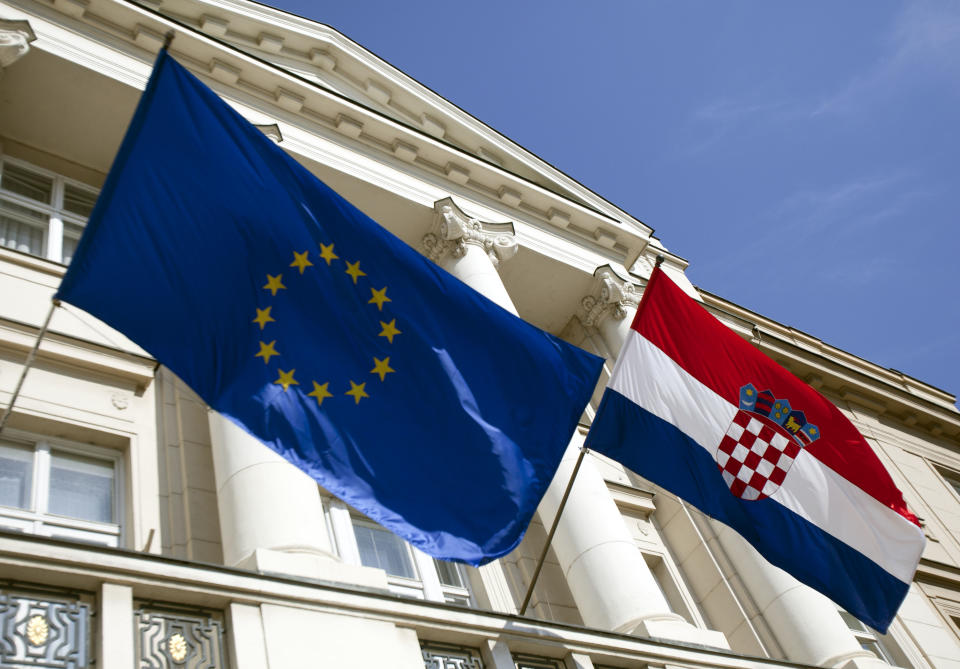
[(271, 517), (471, 250), (265, 502), (605, 571), (612, 305), (806, 624), (15, 38)]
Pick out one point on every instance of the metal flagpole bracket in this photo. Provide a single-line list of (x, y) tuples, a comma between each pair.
[(168, 39), (28, 364), (553, 530)]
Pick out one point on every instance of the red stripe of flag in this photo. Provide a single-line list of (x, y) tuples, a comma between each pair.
[(722, 361)]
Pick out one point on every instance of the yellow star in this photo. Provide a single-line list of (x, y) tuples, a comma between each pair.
[(326, 252), (320, 392), (263, 317), (379, 297), (353, 269), (389, 330), (357, 391), (267, 351), (286, 379), (381, 367), (275, 283), (300, 261)]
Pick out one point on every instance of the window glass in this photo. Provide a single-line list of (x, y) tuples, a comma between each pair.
[(27, 183), (35, 207), (22, 228), (383, 549), (81, 487), (71, 236), (78, 201), (852, 623), (953, 481), (16, 476), (449, 573)]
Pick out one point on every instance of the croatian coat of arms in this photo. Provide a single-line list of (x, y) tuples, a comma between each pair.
[(762, 442)]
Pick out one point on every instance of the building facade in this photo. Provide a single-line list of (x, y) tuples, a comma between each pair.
[(138, 529)]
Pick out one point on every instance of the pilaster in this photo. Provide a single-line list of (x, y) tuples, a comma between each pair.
[(116, 626)]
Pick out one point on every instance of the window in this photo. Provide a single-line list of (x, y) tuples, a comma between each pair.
[(534, 662), (42, 213), (383, 549), (879, 645), (637, 509), (953, 480), (453, 582), (409, 572), (60, 490)]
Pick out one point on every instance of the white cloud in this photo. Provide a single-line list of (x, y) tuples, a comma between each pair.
[(923, 44), (814, 216)]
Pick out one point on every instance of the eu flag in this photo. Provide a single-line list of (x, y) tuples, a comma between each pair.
[(397, 387)]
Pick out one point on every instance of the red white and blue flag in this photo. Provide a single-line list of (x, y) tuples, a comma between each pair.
[(699, 411)]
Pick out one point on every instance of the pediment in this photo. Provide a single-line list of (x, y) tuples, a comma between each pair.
[(322, 55)]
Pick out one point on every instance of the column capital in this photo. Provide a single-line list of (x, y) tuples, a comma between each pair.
[(15, 38), (452, 230), (615, 293)]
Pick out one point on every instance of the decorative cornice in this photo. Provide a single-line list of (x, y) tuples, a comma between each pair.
[(543, 200), (453, 230), (615, 294), (846, 376), (15, 38)]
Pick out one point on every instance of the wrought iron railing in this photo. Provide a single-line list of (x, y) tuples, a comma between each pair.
[(447, 656), (171, 638), (44, 628)]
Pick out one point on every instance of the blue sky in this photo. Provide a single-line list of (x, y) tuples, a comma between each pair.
[(804, 157)]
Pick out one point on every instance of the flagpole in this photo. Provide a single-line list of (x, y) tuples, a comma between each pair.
[(29, 363), (563, 502), (553, 530)]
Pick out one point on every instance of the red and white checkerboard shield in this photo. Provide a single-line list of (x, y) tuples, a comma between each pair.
[(755, 455)]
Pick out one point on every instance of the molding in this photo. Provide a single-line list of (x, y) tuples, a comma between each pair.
[(15, 39), (351, 65), (453, 230), (617, 238), (64, 349), (836, 372), (615, 294), (938, 573), (64, 563)]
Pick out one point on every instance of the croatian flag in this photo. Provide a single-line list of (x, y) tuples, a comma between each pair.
[(699, 411)]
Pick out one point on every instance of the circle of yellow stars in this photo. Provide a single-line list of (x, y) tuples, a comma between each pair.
[(268, 350)]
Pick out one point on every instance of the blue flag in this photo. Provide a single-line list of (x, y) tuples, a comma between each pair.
[(397, 387)]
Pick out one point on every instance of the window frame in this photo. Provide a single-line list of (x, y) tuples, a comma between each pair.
[(38, 520), (637, 505), (884, 646), (951, 478), (427, 585), (57, 215)]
